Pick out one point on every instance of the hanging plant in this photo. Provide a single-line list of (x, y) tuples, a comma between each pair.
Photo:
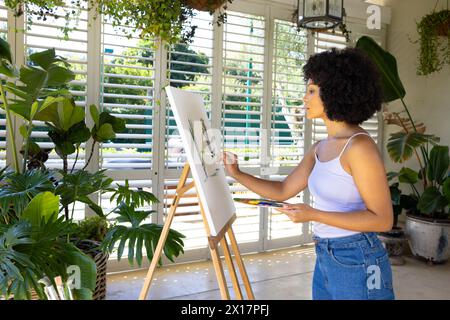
[(42, 10), (204, 5), (434, 42), (169, 20), (211, 6)]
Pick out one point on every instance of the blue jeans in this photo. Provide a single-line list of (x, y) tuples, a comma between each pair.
[(355, 267)]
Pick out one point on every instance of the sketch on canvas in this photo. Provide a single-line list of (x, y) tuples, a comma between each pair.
[(203, 154), (206, 146)]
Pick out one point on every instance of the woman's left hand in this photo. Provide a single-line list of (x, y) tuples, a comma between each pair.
[(298, 212)]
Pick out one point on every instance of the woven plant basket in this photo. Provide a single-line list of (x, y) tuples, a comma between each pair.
[(91, 248), (204, 5)]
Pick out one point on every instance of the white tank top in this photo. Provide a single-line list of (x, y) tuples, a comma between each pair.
[(333, 189)]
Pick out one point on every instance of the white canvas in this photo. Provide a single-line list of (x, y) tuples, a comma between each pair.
[(203, 156)]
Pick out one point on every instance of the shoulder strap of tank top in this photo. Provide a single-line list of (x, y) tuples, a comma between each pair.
[(346, 144)]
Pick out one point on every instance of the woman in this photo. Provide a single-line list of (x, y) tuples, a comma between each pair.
[(346, 177)]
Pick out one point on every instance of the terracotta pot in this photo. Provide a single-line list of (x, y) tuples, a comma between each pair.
[(204, 5)]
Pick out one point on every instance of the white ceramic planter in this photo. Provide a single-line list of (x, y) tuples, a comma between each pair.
[(429, 240)]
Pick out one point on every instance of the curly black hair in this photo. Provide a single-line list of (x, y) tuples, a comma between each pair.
[(349, 82)]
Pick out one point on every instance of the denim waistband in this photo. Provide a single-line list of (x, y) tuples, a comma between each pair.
[(370, 237)]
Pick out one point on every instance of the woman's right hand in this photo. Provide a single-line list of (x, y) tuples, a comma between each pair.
[(230, 161)]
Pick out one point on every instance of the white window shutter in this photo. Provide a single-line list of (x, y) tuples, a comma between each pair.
[(3, 35), (42, 35), (324, 41)]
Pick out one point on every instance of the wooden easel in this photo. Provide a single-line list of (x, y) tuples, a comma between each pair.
[(213, 242)]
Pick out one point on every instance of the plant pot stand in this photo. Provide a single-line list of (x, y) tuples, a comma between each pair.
[(394, 242)]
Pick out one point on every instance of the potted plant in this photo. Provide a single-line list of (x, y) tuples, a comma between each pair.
[(33, 240), (169, 20), (434, 33), (394, 239), (428, 218), (39, 91)]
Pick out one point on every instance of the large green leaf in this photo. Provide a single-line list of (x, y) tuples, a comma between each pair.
[(117, 124), (391, 175), (105, 133), (79, 185), (446, 188), (19, 188), (5, 50), (58, 75), (401, 145), (94, 114), (88, 273), (46, 58), (438, 164), (387, 65), (78, 133), (47, 77), (407, 175), (431, 201), (12, 260), (107, 126), (43, 251), (33, 77), (43, 206), (6, 66)]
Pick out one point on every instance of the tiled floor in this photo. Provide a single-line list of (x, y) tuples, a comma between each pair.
[(281, 274)]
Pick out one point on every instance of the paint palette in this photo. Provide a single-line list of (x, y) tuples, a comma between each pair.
[(260, 202)]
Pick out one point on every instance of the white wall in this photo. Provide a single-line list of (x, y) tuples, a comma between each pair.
[(427, 97)]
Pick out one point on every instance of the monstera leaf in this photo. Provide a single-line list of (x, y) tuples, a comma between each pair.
[(139, 197), (387, 65), (401, 145), (140, 235), (79, 185)]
